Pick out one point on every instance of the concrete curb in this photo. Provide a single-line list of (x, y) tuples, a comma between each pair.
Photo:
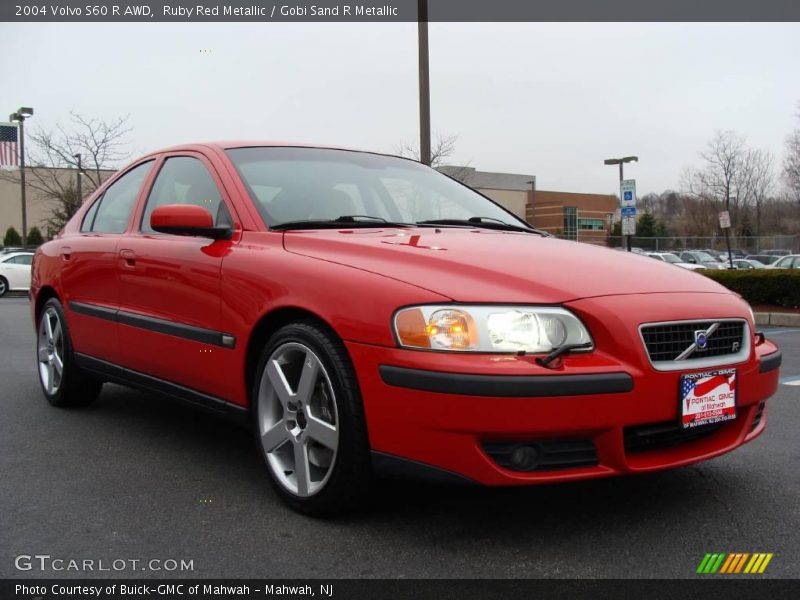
[(778, 319)]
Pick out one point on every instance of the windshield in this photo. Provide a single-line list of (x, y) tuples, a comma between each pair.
[(310, 184), (671, 258)]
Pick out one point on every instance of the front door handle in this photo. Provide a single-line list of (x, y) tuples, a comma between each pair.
[(66, 252), (128, 258)]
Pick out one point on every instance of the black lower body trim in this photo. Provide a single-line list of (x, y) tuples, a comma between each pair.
[(122, 375), (507, 385), (189, 332), (389, 465), (770, 362)]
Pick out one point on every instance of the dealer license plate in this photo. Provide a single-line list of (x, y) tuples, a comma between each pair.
[(708, 397)]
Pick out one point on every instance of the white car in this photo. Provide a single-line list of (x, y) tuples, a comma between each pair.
[(786, 262), (15, 271), (670, 258)]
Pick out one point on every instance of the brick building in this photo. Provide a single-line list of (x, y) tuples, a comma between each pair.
[(574, 216)]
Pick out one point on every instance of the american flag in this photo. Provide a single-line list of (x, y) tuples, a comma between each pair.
[(9, 154)]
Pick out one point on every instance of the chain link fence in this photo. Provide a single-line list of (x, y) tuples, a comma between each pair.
[(749, 245)]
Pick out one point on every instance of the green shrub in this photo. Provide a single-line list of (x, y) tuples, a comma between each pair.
[(35, 237), (12, 238), (777, 287)]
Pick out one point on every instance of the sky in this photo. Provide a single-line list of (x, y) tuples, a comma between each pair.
[(551, 100)]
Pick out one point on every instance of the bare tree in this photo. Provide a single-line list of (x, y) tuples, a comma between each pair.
[(758, 178), (442, 148), (791, 163), (722, 182), (101, 147)]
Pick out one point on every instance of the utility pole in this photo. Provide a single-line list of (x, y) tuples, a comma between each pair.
[(19, 117), (80, 172), (424, 84)]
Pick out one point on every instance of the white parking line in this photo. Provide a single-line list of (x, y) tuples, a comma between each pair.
[(790, 380), (780, 330)]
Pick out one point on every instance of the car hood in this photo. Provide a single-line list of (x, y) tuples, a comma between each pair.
[(479, 265)]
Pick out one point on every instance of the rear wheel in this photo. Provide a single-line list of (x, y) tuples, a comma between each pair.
[(63, 382), (310, 421)]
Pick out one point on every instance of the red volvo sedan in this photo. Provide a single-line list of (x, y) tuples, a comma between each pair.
[(366, 313)]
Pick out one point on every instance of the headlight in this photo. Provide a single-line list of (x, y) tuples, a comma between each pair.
[(489, 328)]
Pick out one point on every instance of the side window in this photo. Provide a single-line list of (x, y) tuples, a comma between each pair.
[(88, 218), (185, 180), (117, 202), (23, 259)]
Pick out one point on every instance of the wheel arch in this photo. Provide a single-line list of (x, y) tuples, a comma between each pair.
[(267, 325), (45, 293)]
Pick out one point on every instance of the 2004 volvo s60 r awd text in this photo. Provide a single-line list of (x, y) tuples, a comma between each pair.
[(366, 313)]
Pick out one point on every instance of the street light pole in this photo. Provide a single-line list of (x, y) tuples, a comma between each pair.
[(533, 201), (20, 117), (424, 84), (621, 162), (78, 177)]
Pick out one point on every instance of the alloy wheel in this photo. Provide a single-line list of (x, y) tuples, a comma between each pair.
[(298, 424), (50, 351)]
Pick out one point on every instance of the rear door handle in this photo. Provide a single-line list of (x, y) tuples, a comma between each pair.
[(128, 258), (66, 252)]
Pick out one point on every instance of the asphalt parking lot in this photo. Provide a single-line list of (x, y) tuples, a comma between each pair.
[(137, 477)]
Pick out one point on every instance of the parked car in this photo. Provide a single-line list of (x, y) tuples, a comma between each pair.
[(702, 258), (15, 272), (787, 262), (765, 259), (669, 257), (366, 313), (777, 252), (747, 263)]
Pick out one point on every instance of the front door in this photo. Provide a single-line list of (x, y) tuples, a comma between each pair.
[(170, 312)]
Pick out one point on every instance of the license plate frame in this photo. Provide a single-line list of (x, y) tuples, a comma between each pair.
[(707, 397)]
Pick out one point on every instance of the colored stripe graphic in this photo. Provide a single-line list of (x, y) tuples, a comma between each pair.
[(720, 562), (731, 560)]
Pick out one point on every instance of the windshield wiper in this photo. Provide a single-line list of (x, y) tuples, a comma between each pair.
[(338, 222), (484, 222)]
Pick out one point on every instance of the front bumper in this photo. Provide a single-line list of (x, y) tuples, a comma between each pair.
[(459, 413)]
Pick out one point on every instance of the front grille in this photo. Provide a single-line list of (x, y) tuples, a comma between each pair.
[(549, 454), (666, 341), (641, 438), (757, 418)]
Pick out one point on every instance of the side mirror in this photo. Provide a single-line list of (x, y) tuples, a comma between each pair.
[(187, 219)]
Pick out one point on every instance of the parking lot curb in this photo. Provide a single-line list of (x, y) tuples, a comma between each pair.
[(778, 319)]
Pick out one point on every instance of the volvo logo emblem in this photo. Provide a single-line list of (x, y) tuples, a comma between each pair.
[(701, 339)]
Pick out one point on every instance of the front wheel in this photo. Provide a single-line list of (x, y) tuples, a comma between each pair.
[(63, 383), (3, 286), (310, 420)]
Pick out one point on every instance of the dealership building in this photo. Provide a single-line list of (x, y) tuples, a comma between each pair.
[(570, 215)]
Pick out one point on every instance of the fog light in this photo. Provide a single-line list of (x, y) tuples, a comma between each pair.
[(524, 457)]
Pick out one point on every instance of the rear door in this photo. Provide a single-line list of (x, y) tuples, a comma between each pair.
[(170, 311), (88, 275)]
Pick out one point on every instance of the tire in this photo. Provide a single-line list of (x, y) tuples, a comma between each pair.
[(3, 286), (308, 412), (64, 384)]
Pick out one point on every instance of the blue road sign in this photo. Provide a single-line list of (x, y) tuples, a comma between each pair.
[(628, 211)]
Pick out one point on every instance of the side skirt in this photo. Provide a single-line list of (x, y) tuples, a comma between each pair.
[(210, 404)]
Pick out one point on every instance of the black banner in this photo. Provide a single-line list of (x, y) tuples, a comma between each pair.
[(709, 588), (149, 11)]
